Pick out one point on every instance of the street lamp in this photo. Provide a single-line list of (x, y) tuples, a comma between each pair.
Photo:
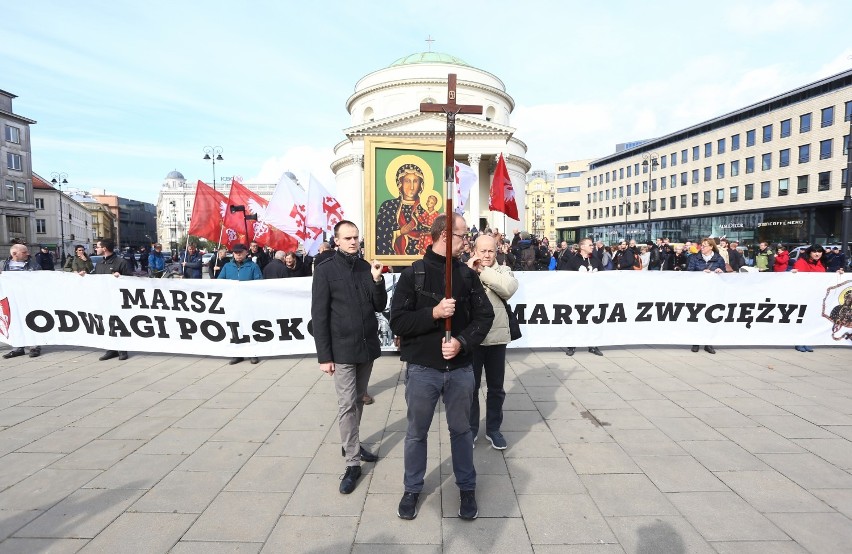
[(213, 153), (174, 226), (845, 222), (626, 208), (59, 179), (649, 162)]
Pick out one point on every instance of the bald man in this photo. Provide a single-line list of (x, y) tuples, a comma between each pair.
[(500, 284), (20, 260)]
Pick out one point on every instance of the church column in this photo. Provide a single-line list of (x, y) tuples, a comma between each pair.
[(358, 161), (475, 199)]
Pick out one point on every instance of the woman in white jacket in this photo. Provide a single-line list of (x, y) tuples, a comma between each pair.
[(500, 284)]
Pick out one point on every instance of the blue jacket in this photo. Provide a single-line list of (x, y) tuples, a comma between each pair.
[(192, 269), (156, 262), (696, 263), (246, 271)]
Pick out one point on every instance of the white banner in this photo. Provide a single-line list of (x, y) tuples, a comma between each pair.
[(556, 309)]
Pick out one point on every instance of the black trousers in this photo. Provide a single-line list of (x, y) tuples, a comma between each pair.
[(493, 360)]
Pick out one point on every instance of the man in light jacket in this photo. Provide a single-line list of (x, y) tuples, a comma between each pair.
[(500, 284)]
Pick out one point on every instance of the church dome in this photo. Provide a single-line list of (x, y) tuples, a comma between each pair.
[(176, 175), (429, 57)]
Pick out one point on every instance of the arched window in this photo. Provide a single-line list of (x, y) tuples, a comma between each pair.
[(368, 115), (490, 113)]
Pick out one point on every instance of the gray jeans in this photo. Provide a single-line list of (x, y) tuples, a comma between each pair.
[(350, 383), (423, 387)]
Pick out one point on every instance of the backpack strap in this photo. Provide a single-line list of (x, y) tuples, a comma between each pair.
[(420, 278)]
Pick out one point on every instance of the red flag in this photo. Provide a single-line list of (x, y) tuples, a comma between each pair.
[(259, 229), (208, 210), (502, 198)]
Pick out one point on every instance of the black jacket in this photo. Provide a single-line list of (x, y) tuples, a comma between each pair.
[(624, 259), (112, 264), (344, 302), (276, 269), (573, 262), (45, 260), (421, 335), (211, 264)]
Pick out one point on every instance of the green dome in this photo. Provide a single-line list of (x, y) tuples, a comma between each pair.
[(429, 57)]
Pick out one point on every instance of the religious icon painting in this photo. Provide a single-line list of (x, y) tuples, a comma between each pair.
[(403, 197)]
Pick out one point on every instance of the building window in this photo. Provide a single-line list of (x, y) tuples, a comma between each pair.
[(766, 162), (694, 199), (663, 183), (767, 133), (708, 173), (15, 224), (785, 128), (765, 189), (734, 194), (629, 171), (662, 204), (804, 153), (635, 188), (735, 168), (653, 184), (848, 111), (636, 169), (607, 211), (39, 203), (824, 182), (827, 119), (663, 162), (720, 196), (843, 175), (802, 184), (706, 197), (750, 165), (694, 176), (682, 200), (672, 203), (735, 142), (13, 161), (13, 134), (41, 226), (695, 153), (621, 173), (21, 189), (708, 149), (720, 171), (825, 149), (683, 179), (10, 191), (683, 156), (845, 145), (805, 123), (720, 146), (673, 159), (784, 158), (749, 191), (750, 137), (783, 187)]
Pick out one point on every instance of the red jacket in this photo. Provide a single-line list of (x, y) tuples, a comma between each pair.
[(782, 260), (806, 265)]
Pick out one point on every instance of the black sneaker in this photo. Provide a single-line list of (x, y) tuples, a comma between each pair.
[(497, 441), (108, 355), (366, 456), (14, 353), (467, 506), (408, 505), (350, 479), (233, 361), (122, 355)]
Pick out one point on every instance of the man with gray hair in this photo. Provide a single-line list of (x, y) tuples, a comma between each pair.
[(20, 260), (276, 269)]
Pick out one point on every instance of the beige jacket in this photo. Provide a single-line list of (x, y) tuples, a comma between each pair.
[(499, 282)]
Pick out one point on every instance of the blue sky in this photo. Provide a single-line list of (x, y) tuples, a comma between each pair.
[(124, 92)]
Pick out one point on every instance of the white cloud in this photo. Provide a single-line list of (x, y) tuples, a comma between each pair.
[(779, 16), (299, 160)]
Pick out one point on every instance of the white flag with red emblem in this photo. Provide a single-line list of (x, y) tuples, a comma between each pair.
[(465, 180), (324, 210), (288, 210)]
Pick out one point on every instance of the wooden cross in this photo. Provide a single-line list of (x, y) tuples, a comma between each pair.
[(451, 109)]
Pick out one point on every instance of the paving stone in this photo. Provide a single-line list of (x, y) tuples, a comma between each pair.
[(207, 418), (317, 494), (559, 409), (17, 466), (495, 497), (267, 409), (769, 491), (380, 524), (839, 499), (187, 492), (141, 533), (686, 428), (246, 430), (532, 445), (646, 442), (39, 546), (754, 406), (140, 428), (44, 488), (219, 456), (759, 547), (12, 520), (269, 474), (793, 427), (678, 473), (177, 441), (485, 535), (599, 458), (543, 476), (314, 534), (724, 516), (722, 456), (658, 408), (563, 519), (81, 515), (137, 471), (238, 516), (65, 440), (298, 444), (835, 451), (759, 440), (820, 415), (658, 535), (579, 430), (829, 533), (809, 471), (98, 454), (621, 419)]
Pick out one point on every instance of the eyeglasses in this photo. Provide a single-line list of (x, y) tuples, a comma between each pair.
[(463, 237)]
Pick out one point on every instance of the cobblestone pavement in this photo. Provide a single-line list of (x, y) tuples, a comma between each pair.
[(647, 449)]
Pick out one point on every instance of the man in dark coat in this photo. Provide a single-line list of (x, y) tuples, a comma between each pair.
[(111, 264), (45, 259), (346, 294)]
